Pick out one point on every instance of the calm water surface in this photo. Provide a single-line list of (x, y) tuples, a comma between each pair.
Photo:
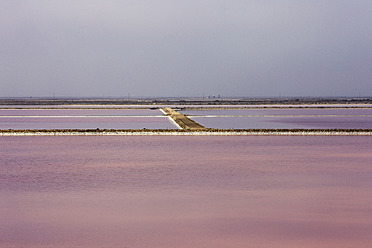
[(192, 191), (80, 112), (86, 123), (327, 118), (84, 119), (287, 122), (288, 111)]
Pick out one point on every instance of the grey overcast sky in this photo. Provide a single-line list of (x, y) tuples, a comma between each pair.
[(155, 48)]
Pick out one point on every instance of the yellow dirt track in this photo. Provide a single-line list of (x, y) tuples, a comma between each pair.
[(183, 121)]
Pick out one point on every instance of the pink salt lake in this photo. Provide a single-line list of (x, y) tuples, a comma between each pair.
[(191, 191), (84, 119)]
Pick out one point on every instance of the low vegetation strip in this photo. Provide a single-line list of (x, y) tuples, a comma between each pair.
[(206, 131), (183, 101), (183, 121)]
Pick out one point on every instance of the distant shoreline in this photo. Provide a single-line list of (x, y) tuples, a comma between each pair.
[(186, 101), (206, 107)]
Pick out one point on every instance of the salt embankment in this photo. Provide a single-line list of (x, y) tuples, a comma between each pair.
[(186, 133)]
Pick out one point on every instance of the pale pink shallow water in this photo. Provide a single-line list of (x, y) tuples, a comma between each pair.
[(192, 191), (80, 112), (121, 122), (84, 119), (311, 122)]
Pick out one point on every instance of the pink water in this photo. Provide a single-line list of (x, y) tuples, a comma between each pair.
[(192, 191), (296, 118), (84, 119), (121, 122), (284, 111), (80, 112), (296, 122)]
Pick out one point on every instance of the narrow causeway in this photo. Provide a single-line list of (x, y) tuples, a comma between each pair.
[(183, 121)]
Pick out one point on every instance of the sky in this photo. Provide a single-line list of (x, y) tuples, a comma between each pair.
[(174, 48)]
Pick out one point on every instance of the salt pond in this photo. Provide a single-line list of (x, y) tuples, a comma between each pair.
[(84, 119), (134, 118), (20, 123), (80, 112), (282, 111), (192, 191), (269, 122), (287, 118)]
